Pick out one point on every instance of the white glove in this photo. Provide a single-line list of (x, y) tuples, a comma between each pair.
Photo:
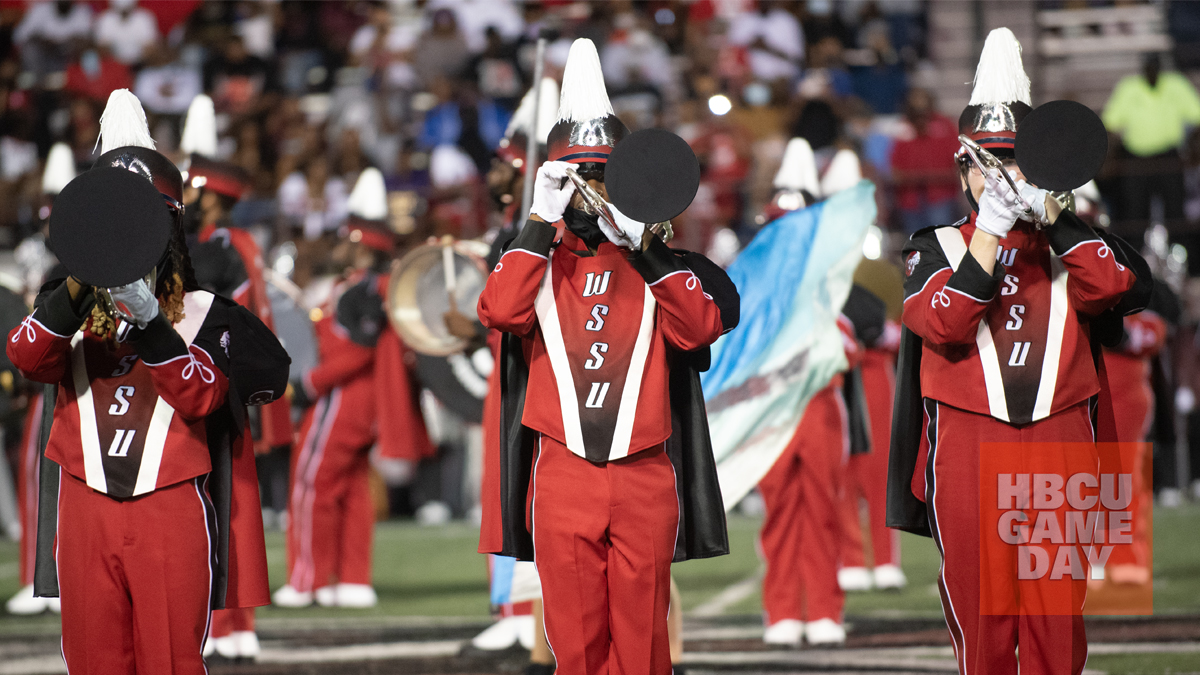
[(999, 207), (552, 191), (629, 232), (138, 300), (1035, 197)]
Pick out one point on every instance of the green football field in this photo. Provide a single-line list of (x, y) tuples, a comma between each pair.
[(434, 571)]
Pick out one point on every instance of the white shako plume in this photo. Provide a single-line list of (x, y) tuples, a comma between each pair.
[(798, 171), (60, 169), (200, 128), (368, 199), (843, 172), (123, 123), (583, 94), (522, 120), (1000, 76)]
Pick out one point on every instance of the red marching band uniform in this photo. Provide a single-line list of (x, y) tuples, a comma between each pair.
[(147, 421), (363, 397), (1005, 357), (596, 325), (232, 633)]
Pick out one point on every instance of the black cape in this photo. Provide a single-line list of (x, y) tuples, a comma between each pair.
[(904, 510), (702, 530)]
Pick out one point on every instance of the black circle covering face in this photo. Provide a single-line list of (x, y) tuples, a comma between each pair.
[(109, 227), (1061, 145), (652, 175)]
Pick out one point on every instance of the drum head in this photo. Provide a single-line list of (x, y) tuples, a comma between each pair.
[(418, 300), (109, 227), (1061, 145), (652, 175)]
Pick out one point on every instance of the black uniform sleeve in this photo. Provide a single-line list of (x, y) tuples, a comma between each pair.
[(214, 335), (53, 308)]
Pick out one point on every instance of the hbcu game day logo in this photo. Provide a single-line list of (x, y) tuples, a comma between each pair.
[(1064, 528)]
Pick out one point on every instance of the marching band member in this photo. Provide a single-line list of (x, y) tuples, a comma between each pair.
[(60, 170), (516, 592), (359, 396), (147, 417), (592, 325), (1000, 316), (866, 472), (228, 262)]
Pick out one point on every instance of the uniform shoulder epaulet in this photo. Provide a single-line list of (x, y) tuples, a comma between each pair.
[(928, 231)]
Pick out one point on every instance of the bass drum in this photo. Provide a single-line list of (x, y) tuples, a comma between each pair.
[(458, 381), (293, 326), (420, 289)]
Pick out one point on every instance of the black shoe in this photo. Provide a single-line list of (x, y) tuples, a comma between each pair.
[(677, 669)]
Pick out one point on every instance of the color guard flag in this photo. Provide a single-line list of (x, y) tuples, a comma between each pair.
[(793, 279)]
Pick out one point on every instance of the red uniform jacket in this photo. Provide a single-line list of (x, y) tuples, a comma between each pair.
[(1129, 368), (1013, 345), (595, 332), (129, 420), (360, 354), (1018, 345)]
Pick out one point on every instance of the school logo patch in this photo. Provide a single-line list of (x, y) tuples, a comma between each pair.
[(910, 265)]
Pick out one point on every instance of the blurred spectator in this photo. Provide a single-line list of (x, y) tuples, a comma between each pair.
[(302, 63), (475, 124), (97, 74), (49, 33), (166, 85), (880, 79), (441, 52), (256, 26), (126, 30), (827, 77), (1151, 112), (475, 17), (313, 201), (496, 70), (772, 36), (923, 167), (237, 79)]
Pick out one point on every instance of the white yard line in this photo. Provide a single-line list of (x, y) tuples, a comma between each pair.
[(729, 597), (367, 652)]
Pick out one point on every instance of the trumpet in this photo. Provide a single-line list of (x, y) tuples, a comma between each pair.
[(986, 161), (595, 205), (110, 306)]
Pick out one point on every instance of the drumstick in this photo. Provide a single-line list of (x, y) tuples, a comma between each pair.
[(449, 274)]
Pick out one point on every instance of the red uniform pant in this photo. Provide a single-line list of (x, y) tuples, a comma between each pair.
[(866, 481), (987, 644), (225, 622), (1133, 403), (603, 537), (331, 521), (28, 488), (801, 530), (866, 474), (135, 577)]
